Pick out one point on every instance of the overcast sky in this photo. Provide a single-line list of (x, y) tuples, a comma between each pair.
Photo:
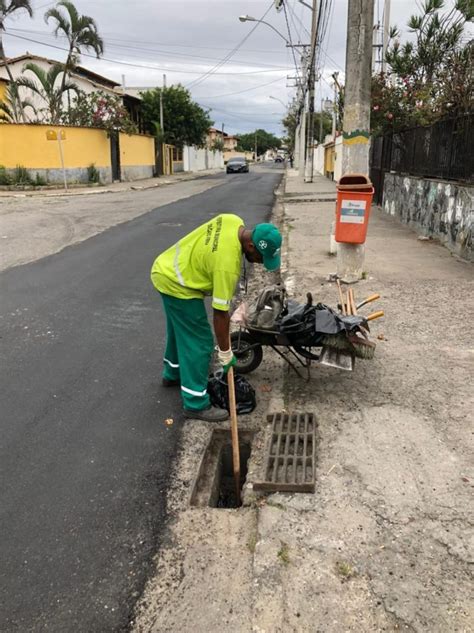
[(186, 38)]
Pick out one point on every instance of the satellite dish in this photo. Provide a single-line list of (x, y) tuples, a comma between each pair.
[(278, 5)]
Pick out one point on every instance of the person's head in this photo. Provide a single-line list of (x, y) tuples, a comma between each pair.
[(262, 245)]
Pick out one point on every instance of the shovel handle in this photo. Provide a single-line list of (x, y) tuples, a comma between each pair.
[(352, 301), (375, 315)]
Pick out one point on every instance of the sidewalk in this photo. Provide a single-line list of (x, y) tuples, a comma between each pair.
[(136, 185), (385, 543)]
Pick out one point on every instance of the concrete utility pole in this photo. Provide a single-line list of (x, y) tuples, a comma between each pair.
[(321, 122), (302, 122), (356, 125), (162, 123), (334, 106), (386, 32), (309, 166)]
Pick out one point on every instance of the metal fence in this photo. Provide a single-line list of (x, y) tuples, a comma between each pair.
[(443, 150)]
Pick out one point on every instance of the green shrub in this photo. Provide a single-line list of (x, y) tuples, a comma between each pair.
[(4, 177), (40, 181), (93, 173), (21, 176)]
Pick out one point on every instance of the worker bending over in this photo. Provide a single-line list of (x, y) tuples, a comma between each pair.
[(207, 261)]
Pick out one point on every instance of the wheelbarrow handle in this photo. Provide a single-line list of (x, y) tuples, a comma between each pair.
[(368, 300), (375, 315)]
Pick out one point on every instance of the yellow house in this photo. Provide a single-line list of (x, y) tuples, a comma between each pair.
[(52, 152)]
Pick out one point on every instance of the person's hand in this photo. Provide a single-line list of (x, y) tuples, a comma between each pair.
[(226, 359)]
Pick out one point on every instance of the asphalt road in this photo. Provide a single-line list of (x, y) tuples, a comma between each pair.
[(84, 451)]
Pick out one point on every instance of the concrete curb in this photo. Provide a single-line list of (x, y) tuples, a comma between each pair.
[(135, 186)]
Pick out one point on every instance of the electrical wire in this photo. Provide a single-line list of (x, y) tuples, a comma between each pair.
[(297, 72), (213, 48), (157, 68), (223, 61), (293, 13), (231, 94), (151, 50), (236, 115)]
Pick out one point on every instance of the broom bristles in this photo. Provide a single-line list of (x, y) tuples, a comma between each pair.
[(355, 345)]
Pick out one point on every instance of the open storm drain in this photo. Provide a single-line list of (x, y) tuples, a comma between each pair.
[(214, 484), (290, 457)]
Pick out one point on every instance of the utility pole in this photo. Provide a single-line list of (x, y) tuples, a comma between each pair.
[(321, 123), (309, 166), (356, 125), (255, 145), (302, 122), (386, 32), (334, 106), (162, 123)]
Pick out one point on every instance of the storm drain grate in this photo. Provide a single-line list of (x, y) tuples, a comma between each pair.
[(290, 457)]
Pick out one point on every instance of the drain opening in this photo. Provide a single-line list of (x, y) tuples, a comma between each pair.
[(214, 483), (227, 495)]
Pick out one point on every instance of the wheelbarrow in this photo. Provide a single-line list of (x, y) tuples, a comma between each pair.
[(248, 343), (300, 346)]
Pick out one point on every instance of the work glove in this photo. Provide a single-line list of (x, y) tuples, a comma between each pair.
[(226, 359)]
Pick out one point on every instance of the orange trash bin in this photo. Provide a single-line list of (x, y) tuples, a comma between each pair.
[(354, 199)]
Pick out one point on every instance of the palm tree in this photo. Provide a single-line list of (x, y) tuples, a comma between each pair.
[(80, 30), (8, 8), (46, 88), (12, 108)]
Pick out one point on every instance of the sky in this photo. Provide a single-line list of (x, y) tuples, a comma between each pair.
[(186, 39)]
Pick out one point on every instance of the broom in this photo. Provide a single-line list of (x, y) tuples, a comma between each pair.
[(352, 343)]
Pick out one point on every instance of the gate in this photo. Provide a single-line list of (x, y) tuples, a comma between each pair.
[(380, 158), (115, 156)]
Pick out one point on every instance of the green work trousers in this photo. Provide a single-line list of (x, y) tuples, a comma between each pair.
[(189, 346)]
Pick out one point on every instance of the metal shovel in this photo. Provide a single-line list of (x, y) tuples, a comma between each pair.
[(331, 357)]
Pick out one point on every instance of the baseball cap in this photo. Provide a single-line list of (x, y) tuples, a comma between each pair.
[(267, 241)]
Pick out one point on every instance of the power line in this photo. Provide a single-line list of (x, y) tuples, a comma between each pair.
[(298, 81), (231, 94), (157, 68), (293, 13), (236, 115), (297, 31), (213, 48), (223, 61), (150, 50)]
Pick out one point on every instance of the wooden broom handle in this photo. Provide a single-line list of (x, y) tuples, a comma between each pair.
[(234, 432)]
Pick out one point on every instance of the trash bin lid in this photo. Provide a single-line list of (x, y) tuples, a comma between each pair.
[(354, 182)]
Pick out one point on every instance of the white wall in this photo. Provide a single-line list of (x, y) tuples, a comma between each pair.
[(319, 160), (198, 159)]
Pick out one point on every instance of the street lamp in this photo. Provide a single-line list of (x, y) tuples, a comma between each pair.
[(277, 99), (249, 18)]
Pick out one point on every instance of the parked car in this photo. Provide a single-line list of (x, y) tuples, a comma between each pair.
[(279, 159), (237, 165)]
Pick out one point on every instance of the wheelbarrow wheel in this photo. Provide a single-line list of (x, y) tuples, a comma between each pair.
[(306, 352), (248, 353)]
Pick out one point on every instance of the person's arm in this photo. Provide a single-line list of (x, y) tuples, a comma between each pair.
[(222, 328), (223, 290)]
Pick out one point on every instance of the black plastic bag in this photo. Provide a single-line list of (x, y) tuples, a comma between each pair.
[(218, 391)]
